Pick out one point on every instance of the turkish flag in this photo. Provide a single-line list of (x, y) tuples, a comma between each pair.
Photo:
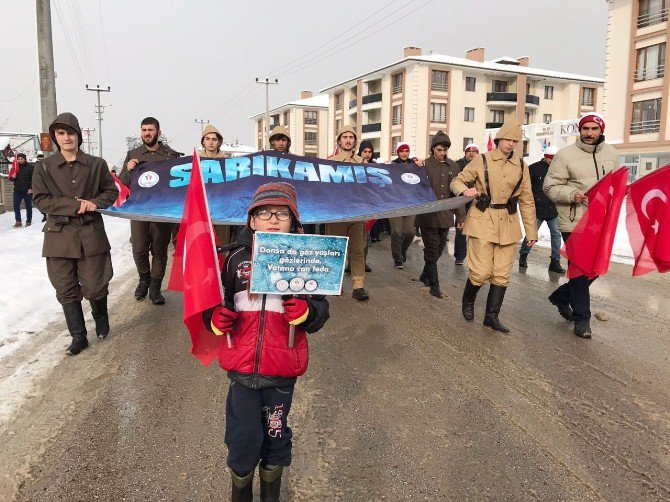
[(589, 247), (195, 269), (369, 224), (124, 191), (14, 170), (489, 145), (648, 221)]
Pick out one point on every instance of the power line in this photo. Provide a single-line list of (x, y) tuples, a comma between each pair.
[(80, 31), (104, 41), (68, 42)]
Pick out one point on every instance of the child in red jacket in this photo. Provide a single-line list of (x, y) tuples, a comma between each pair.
[(261, 366)]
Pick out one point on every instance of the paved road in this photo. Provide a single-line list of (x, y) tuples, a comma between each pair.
[(403, 400)]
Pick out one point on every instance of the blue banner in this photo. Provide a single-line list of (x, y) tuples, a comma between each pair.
[(327, 191), (297, 264)]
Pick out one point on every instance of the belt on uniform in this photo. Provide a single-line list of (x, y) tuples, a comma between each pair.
[(498, 206)]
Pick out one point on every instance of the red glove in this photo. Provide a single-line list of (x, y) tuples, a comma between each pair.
[(223, 320), (295, 310)]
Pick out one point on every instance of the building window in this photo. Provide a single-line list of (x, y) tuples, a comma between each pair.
[(499, 86), (526, 118), (439, 81), (287, 116), (528, 89), (588, 96), (438, 112), (395, 140), (650, 62), (467, 141), (397, 83), (547, 118), (469, 115), (310, 138), (646, 116), (310, 117), (260, 126), (397, 115), (498, 116), (652, 12), (338, 126), (470, 84), (274, 121), (548, 92), (338, 101)]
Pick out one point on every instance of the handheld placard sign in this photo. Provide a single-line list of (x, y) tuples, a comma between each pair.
[(297, 264)]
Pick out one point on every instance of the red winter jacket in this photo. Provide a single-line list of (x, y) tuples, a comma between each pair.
[(260, 356)]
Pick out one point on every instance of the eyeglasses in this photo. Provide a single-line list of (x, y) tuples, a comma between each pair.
[(280, 215)]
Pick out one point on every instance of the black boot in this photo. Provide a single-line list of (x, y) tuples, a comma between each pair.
[(523, 261), (241, 487), (469, 297), (74, 317), (360, 294), (583, 329), (555, 266), (434, 280), (563, 308), (270, 483), (99, 311), (143, 286), (424, 276), (493, 303), (155, 292)]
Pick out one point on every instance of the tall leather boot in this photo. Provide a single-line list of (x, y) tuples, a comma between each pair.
[(99, 312), (270, 482), (434, 281), (143, 286), (155, 292), (424, 276), (241, 487), (74, 317), (493, 303), (469, 297)]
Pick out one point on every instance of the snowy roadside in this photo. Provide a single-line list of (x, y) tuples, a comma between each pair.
[(27, 299)]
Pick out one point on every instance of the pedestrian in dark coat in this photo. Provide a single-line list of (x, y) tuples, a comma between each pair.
[(23, 190), (434, 227), (69, 187)]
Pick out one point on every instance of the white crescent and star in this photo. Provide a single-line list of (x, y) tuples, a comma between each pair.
[(651, 194)]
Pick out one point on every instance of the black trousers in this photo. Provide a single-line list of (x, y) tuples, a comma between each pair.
[(434, 242), (460, 245), (576, 293), (256, 427)]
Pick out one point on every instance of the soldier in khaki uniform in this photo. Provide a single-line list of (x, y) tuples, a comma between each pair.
[(492, 224), (211, 141), (68, 187), (346, 145), (149, 236)]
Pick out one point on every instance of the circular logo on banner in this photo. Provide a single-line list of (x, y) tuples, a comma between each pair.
[(148, 179), (311, 285), (297, 283), (281, 285), (410, 178)]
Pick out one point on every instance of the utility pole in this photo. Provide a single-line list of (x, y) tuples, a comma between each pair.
[(99, 110), (45, 55), (202, 123), (88, 132), (267, 82)]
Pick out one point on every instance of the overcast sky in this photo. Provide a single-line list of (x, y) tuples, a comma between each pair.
[(198, 59)]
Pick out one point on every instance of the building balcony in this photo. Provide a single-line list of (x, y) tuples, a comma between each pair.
[(375, 127), (353, 103), (494, 125), (645, 126), (649, 73), (509, 99), (532, 101), (654, 17), (372, 98)]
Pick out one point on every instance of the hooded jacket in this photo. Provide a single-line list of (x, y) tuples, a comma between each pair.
[(342, 156), (576, 168), (260, 356), (281, 130), (366, 144), (203, 154)]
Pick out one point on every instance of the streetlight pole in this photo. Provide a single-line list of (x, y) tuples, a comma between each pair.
[(267, 82), (202, 123)]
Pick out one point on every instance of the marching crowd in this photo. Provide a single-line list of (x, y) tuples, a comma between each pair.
[(70, 185)]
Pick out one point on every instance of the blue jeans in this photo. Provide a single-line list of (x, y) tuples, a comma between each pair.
[(555, 239), (28, 199)]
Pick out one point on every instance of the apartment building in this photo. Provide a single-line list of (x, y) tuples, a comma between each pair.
[(307, 122), (636, 88), (413, 98)]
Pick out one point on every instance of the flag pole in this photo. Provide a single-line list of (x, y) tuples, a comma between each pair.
[(211, 235)]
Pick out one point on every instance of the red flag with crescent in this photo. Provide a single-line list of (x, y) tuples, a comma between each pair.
[(195, 269), (489, 144), (124, 191), (14, 170), (589, 247), (648, 221)]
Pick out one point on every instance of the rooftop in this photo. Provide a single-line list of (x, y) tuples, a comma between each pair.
[(318, 101)]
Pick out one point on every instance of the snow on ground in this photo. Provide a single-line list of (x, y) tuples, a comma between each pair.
[(27, 299), (621, 252)]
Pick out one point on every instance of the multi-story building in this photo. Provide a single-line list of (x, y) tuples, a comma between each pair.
[(636, 88), (411, 99), (307, 122)]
